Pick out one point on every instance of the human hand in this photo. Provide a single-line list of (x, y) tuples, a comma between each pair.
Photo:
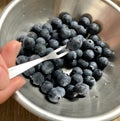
[(8, 56)]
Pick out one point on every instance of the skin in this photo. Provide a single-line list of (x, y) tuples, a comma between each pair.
[(8, 56)]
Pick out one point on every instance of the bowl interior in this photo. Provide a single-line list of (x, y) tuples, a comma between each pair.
[(105, 96)]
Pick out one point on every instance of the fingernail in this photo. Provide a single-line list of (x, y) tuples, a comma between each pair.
[(4, 79)]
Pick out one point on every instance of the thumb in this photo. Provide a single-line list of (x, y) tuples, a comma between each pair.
[(4, 77)]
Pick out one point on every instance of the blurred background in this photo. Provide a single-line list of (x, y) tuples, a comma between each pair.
[(11, 110)]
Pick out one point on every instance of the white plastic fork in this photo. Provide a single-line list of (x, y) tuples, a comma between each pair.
[(19, 69)]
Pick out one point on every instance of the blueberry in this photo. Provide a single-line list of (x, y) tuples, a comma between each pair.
[(45, 34), (88, 54), (107, 52), (36, 28), (41, 40), (47, 67), (85, 21), (21, 59), (33, 57), (76, 78), (98, 50), (55, 35), (65, 17), (21, 38), (101, 44), (65, 33), (32, 35), (63, 79), (81, 30), (54, 95), (48, 77), (81, 89), (73, 63), (56, 23), (29, 72), (56, 73), (73, 33), (76, 70), (37, 79), (71, 55), (95, 38), (75, 43), (40, 49), (53, 43), (48, 27), (22, 51), (87, 72), (79, 53), (28, 43), (64, 42), (97, 74), (49, 50), (46, 86), (61, 90), (102, 62), (58, 63), (82, 63), (90, 80), (70, 94), (74, 24), (88, 44), (93, 65), (94, 28)]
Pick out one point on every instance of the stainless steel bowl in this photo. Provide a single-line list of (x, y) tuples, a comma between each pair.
[(103, 102)]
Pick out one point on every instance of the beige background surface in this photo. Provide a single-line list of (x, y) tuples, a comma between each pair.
[(11, 110)]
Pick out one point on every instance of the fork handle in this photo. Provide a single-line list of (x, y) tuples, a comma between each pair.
[(19, 69)]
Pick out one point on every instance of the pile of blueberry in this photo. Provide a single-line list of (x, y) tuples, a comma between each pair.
[(88, 57)]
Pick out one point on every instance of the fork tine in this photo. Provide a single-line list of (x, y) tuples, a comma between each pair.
[(63, 54), (60, 48)]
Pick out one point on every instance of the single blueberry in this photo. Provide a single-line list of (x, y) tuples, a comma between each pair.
[(93, 65), (97, 74), (49, 50), (85, 21), (41, 40), (36, 28), (21, 59), (45, 34), (56, 23), (48, 27), (53, 43), (87, 72), (64, 42), (82, 63), (76, 70), (32, 35), (73, 33), (58, 63), (79, 53), (65, 33), (74, 25), (47, 67), (107, 52), (98, 50), (29, 72), (81, 30), (95, 38), (61, 90), (76, 78), (71, 55)]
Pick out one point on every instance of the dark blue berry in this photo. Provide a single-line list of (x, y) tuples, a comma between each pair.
[(85, 21), (81, 30), (71, 55), (64, 42), (53, 43), (66, 18), (81, 89), (45, 34), (74, 24), (76, 78), (46, 86), (88, 44), (82, 63), (87, 72), (79, 53), (49, 50), (92, 65), (32, 35), (90, 80), (29, 72), (95, 38), (102, 62), (61, 90), (73, 63), (56, 23), (40, 49), (97, 74), (41, 40), (73, 33), (65, 33), (101, 44), (21, 38), (47, 67), (28, 43), (48, 27), (56, 73), (33, 57), (76, 70), (48, 77), (55, 35), (36, 28), (94, 28), (21, 59), (58, 63), (75, 43), (98, 50), (37, 79), (107, 52)]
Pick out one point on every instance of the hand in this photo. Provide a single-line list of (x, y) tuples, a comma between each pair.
[(8, 56)]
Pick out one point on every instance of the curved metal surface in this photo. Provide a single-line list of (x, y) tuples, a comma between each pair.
[(103, 103)]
